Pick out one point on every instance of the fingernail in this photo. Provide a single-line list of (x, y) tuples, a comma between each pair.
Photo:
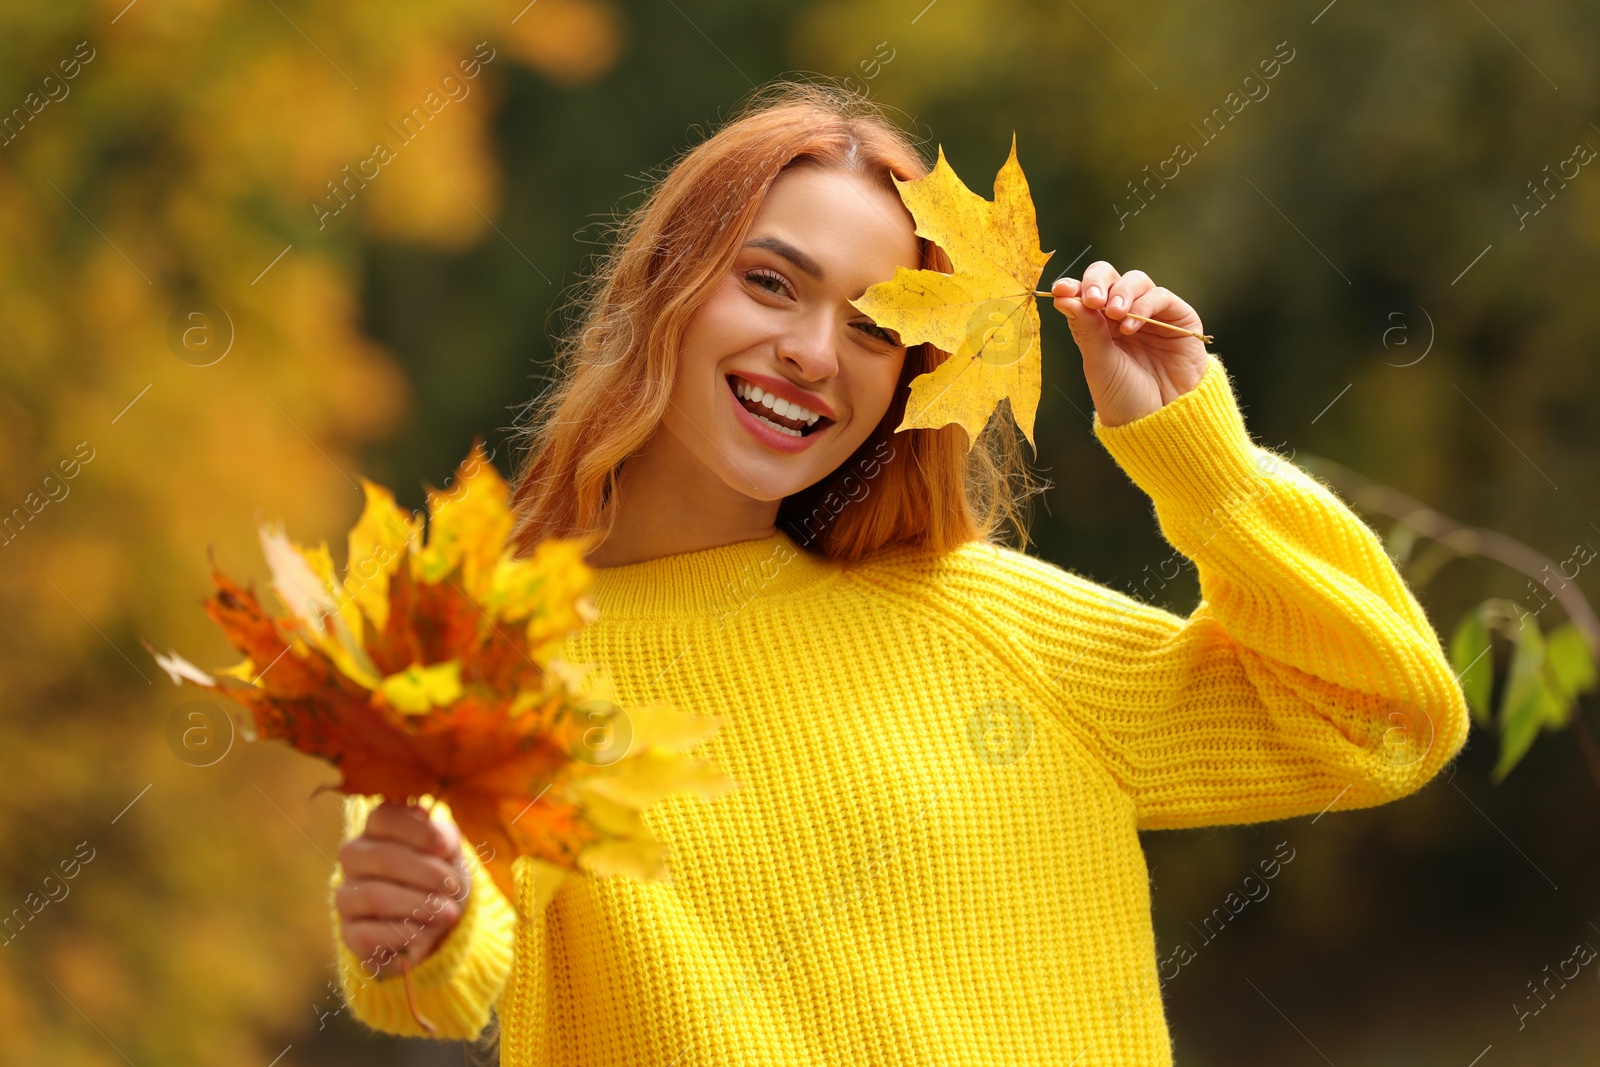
[(1093, 292), (1116, 303)]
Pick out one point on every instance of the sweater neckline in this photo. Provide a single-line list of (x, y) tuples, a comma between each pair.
[(714, 582)]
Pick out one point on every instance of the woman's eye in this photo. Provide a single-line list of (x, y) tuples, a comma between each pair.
[(874, 330), (772, 283)]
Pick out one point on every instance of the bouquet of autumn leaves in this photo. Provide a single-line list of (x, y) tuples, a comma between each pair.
[(431, 669)]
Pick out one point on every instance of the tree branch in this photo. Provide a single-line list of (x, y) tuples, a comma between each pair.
[(1372, 496)]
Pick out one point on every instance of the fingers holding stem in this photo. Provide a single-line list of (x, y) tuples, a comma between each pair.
[(1069, 287)]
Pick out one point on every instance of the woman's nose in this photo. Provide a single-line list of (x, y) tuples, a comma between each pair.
[(811, 345)]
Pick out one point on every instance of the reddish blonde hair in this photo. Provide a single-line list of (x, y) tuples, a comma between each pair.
[(619, 360)]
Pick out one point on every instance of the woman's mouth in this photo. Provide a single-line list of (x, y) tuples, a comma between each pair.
[(782, 416)]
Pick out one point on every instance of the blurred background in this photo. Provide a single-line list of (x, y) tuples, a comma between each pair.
[(1386, 215)]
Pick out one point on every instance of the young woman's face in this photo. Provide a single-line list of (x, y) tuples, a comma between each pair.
[(780, 322)]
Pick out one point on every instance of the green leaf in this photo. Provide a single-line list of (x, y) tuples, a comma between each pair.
[(1524, 708), (1557, 709), (1399, 543), (1469, 655), (1427, 563), (1570, 663)]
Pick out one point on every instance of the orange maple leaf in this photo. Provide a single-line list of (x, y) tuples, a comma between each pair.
[(430, 670)]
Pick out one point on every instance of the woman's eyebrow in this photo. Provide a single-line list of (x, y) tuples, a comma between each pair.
[(789, 252)]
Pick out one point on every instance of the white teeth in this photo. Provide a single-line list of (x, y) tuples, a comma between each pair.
[(783, 429), (776, 404)]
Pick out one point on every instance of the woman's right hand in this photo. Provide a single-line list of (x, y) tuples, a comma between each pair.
[(405, 887)]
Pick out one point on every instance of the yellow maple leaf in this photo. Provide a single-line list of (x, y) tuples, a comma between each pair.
[(467, 525), (378, 543), (984, 314)]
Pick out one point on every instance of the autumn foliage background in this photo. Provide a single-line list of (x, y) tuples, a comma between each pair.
[(182, 164)]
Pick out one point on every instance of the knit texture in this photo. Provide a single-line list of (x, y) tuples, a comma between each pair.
[(945, 762)]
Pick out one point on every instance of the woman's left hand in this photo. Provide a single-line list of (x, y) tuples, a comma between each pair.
[(1133, 368)]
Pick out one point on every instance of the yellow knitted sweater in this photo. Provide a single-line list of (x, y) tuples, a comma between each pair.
[(945, 762)]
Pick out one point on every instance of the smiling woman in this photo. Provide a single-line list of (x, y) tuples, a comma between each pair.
[(782, 312), (736, 274), (947, 748)]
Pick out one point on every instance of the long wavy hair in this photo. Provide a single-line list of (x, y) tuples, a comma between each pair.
[(617, 362)]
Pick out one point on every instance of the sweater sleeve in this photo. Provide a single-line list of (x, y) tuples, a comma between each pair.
[(462, 978), (1307, 679)]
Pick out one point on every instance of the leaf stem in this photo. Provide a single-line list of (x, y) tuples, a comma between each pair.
[(411, 996), (1206, 337)]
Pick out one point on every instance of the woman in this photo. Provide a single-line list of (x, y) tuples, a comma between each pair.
[(947, 748)]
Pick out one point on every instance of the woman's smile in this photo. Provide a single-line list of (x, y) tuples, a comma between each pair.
[(775, 413), (807, 376)]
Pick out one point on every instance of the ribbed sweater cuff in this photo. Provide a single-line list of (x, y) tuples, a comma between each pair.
[(455, 986), (1193, 454)]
